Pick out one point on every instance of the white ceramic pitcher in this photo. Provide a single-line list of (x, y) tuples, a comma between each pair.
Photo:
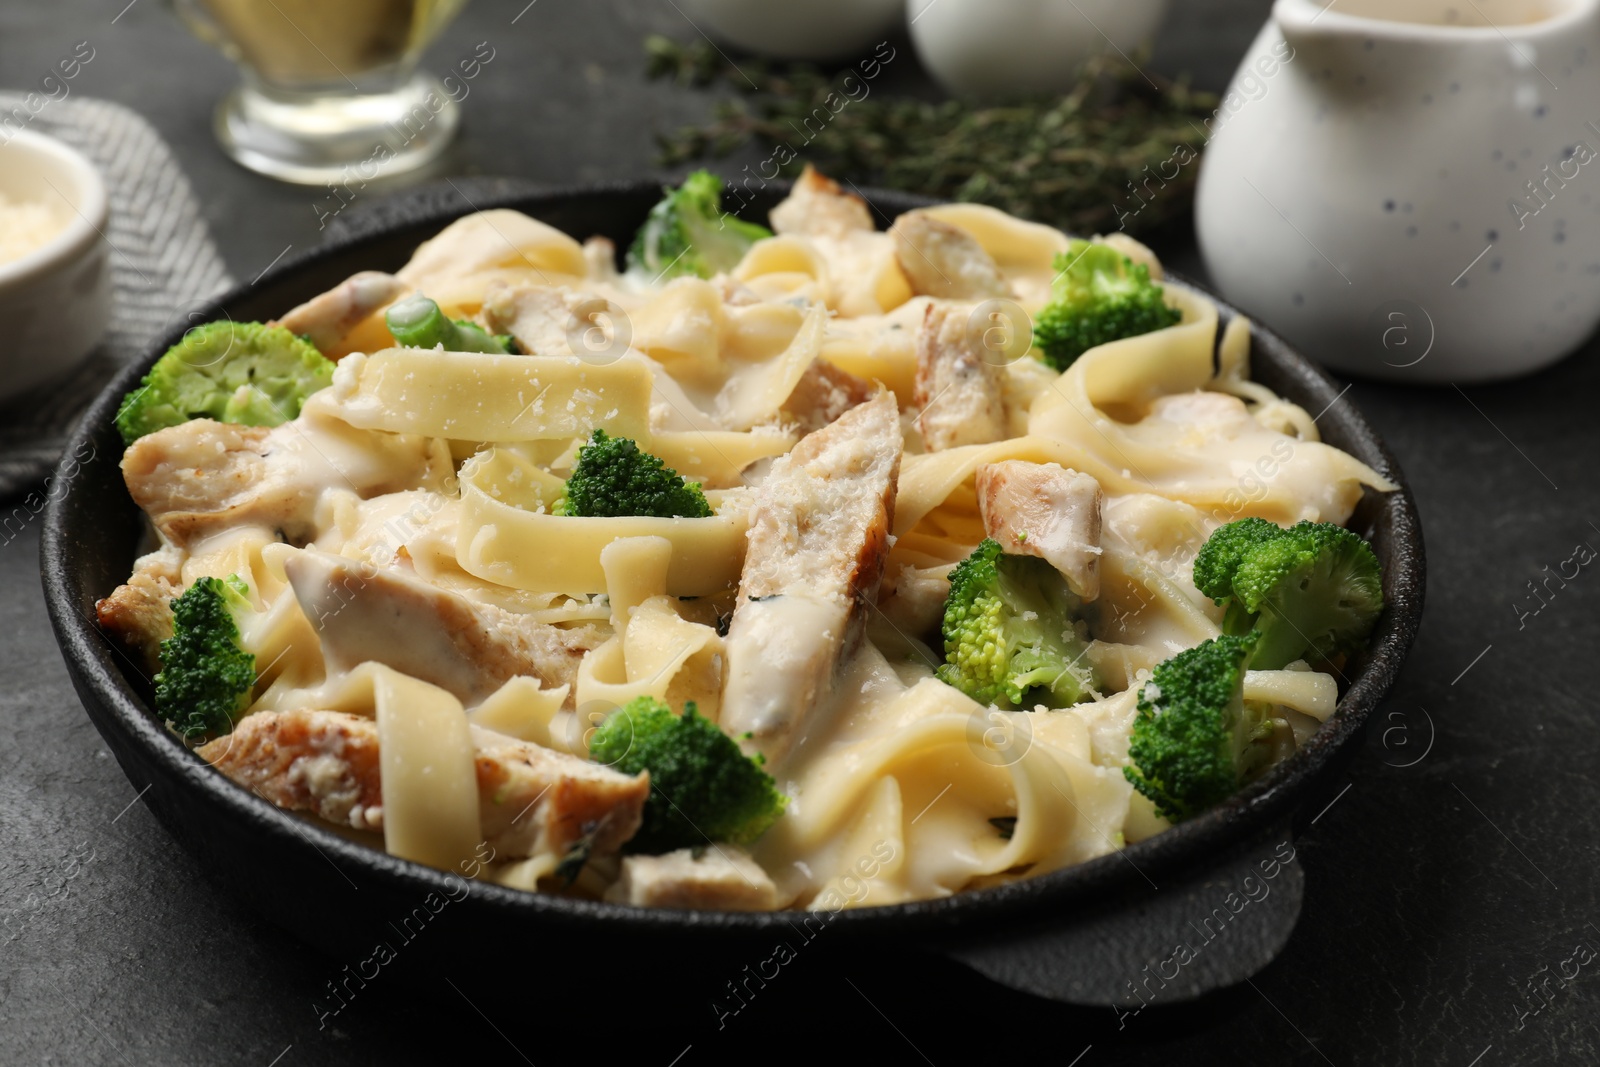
[(1415, 193)]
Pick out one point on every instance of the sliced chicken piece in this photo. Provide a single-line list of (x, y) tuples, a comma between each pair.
[(1045, 510), (363, 614), (530, 799), (723, 877), (329, 319), (913, 598), (552, 322), (575, 801), (203, 476), (324, 762), (818, 207), (960, 393), (818, 537), (138, 614), (601, 256), (823, 393), (944, 261)]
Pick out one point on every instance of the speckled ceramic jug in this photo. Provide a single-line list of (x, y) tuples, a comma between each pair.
[(1415, 193)]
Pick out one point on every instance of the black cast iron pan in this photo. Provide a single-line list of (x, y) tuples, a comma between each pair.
[(1092, 934)]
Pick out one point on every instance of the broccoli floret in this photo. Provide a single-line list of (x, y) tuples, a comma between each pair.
[(1225, 549), (1099, 295), (417, 322), (1219, 559), (1010, 632), (702, 787), (1312, 591), (689, 233), (1196, 740), (241, 372), (613, 476), (206, 677)]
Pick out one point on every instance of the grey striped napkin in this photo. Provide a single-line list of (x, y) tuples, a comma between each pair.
[(163, 264)]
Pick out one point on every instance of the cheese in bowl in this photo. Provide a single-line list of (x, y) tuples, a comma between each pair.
[(779, 569), (55, 281), (26, 227)]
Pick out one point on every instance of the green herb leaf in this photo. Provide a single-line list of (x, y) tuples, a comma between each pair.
[(1113, 153)]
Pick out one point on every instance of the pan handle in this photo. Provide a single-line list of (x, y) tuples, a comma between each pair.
[(1165, 941)]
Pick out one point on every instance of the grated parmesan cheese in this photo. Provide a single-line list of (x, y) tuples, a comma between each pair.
[(25, 227)]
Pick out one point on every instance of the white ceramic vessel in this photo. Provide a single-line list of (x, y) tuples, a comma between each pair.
[(1415, 193), (1023, 47), (55, 301), (815, 29)]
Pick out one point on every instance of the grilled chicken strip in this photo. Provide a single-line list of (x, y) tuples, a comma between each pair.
[(328, 319), (960, 394), (944, 261), (818, 207), (202, 476), (823, 393), (530, 799), (573, 799), (818, 538), (1045, 510), (552, 322), (469, 649), (722, 877), (138, 614), (913, 598)]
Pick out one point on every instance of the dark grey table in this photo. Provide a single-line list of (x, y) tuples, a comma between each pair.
[(1446, 885)]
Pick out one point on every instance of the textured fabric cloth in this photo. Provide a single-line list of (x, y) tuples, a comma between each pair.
[(163, 266)]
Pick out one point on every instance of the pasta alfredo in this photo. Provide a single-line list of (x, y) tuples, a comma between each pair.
[(414, 580)]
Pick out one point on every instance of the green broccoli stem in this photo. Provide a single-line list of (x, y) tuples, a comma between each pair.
[(1300, 631), (1238, 620), (417, 322), (1282, 641)]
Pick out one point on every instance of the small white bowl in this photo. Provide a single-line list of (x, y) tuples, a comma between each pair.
[(56, 300), (1004, 48)]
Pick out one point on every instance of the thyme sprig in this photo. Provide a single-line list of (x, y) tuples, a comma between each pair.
[(1114, 152)]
